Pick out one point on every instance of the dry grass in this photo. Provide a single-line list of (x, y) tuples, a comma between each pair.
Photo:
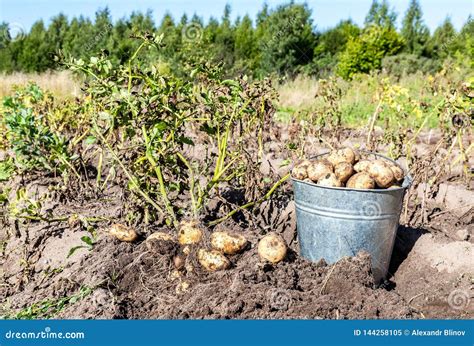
[(298, 93), (61, 84)]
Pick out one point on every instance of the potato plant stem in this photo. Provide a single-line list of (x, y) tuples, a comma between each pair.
[(253, 203)]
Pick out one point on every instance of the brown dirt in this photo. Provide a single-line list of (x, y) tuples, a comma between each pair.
[(431, 274)]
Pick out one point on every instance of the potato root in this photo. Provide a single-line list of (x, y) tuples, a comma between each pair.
[(123, 233), (212, 260), (330, 180), (228, 243), (319, 169), (361, 180), (272, 248), (189, 233), (343, 171)]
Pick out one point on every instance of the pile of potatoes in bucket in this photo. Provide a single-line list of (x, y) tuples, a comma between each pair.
[(345, 168), (271, 248)]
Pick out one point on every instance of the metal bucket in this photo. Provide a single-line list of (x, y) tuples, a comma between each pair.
[(335, 222)]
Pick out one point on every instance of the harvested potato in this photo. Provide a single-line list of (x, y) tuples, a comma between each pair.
[(212, 260), (397, 172), (362, 166), (381, 173), (123, 233), (361, 180), (161, 242), (272, 248), (319, 169), (342, 155), (330, 180), (300, 170), (179, 261), (189, 233), (228, 243), (395, 186), (343, 171)]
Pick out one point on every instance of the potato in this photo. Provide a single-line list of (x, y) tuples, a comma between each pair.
[(300, 170), (343, 171), (342, 155), (394, 186), (212, 260), (319, 169), (179, 261), (161, 242), (398, 173), (361, 180), (362, 166), (228, 243), (182, 287), (272, 248), (381, 173), (330, 180), (189, 233), (123, 233)]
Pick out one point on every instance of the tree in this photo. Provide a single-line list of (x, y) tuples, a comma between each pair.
[(286, 39), (365, 52), (414, 31), (443, 38), (381, 14)]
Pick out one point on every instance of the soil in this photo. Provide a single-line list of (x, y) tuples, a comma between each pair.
[(431, 274)]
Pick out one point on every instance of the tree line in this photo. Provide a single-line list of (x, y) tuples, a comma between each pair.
[(281, 41)]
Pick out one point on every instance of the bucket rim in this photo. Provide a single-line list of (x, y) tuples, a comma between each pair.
[(407, 181)]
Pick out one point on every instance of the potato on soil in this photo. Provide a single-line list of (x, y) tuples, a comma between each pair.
[(272, 248), (212, 260), (342, 155), (362, 166), (189, 233), (361, 180), (123, 233), (161, 242), (381, 173), (343, 171), (228, 243), (319, 169), (300, 170), (330, 180), (182, 287)]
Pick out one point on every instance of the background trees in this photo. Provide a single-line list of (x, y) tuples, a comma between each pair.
[(281, 41)]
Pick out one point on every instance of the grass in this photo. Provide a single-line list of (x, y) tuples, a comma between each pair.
[(60, 83)]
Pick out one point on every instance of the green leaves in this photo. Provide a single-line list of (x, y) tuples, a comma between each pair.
[(6, 169)]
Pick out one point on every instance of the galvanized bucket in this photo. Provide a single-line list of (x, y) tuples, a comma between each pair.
[(335, 222)]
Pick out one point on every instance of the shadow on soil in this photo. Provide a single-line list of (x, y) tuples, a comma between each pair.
[(404, 243)]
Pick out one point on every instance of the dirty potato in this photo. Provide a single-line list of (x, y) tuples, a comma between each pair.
[(123, 233), (272, 248), (300, 170), (319, 169), (161, 242), (228, 243), (361, 180), (362, 166), (212, 260), (381, 173), (343, 171), (189, 233), (342, 155), (330, 180), (397, 172)]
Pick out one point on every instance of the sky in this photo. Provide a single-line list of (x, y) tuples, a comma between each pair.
[(21, 14)]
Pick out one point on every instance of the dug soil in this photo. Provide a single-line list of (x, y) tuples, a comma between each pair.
[(431, 274)]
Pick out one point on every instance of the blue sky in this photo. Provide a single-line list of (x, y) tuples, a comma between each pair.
[(326, 13)]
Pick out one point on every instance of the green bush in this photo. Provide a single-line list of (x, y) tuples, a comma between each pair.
[(365, 52), (403, 64)]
